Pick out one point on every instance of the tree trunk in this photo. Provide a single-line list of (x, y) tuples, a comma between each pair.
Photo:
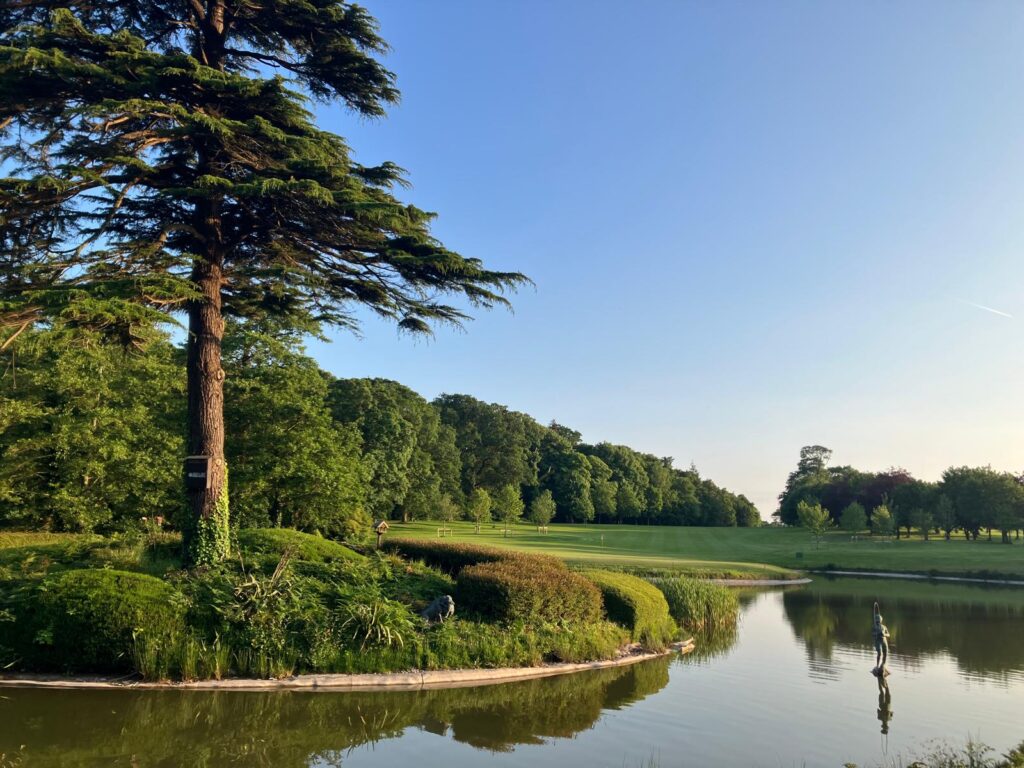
[(207, 537)]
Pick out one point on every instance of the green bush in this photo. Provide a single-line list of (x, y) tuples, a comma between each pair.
[(93, 620), (452, 557), (304, 546), (698, 605), (636, 605), (527, 589)]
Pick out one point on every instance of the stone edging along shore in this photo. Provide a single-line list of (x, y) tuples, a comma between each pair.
[(397, 681), (759, 582), (921, 577)]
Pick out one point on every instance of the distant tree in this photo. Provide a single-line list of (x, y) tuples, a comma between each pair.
[(881, 520), (983, 498), (498, 446), (853, 518), (566, 473), (447, 510), (630, 475), (411, 456), (508, 503), (716, 505), (922, 520), (746, 513), (292, 465), (682, 505), (571, 436), (815, 519), (603, 491), (542, 509), (944, 515), (628, 504), (805, 484), (479, 507), (912, 500), (882, 487)]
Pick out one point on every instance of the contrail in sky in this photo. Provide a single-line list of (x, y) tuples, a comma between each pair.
[(987, 309)]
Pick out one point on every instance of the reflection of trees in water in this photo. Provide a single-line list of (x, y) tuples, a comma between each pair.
[(280, 729), (711, 644), (978, 631)]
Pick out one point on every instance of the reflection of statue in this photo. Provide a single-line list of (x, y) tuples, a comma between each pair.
[(884, 703), (880, 634)]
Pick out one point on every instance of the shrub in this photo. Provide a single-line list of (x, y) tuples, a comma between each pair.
[(452, 557), (304, 546), (698, 605), (636, 605), (527, 589), (93, 619)]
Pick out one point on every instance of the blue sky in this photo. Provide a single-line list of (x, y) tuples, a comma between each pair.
[(752, 225)]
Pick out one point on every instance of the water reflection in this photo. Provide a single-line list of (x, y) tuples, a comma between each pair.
[(78, 728), (976, 626), (884, 704)]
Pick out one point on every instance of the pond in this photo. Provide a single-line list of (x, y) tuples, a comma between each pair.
[(791, 688)]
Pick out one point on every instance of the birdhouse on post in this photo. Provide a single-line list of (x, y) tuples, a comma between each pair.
[(380, 528), (197, 472)]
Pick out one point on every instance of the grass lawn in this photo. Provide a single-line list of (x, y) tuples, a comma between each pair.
[(755, 552)]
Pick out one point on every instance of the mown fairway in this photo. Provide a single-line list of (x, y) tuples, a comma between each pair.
[(764, 552)]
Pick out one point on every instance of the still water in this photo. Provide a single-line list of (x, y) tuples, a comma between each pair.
[(791, 688)]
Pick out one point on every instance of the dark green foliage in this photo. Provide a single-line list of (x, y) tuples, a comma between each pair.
[(93, 620), (526, 589), (636, 605), (291, 464), (275, 542), (451, 557), (90, 435), (971, 498), (853, 518), (409, 455), (498, 446), (697, 604)]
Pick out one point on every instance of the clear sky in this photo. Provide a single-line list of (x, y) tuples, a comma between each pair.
[(752, 225)]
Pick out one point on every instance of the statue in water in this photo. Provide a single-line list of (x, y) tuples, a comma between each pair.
[(880, 634)]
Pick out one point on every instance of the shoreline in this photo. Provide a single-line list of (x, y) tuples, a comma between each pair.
[(418, 680), (760, 582), (920, 577)]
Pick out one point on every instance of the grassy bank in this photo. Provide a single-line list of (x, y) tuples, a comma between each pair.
[(742, 552), (290, 603)]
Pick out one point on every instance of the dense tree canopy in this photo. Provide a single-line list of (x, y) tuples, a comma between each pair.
[(90, 432), (969, 498)]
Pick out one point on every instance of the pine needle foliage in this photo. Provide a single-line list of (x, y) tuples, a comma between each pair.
[(139, 136), (159, 157)]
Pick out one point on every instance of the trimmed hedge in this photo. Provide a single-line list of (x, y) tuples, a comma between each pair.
[(452, 557), (275, 541), (527, 589), (90, 620), (636, 605)]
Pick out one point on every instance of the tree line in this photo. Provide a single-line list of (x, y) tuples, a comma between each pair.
[(92, 437), (970, 499)]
